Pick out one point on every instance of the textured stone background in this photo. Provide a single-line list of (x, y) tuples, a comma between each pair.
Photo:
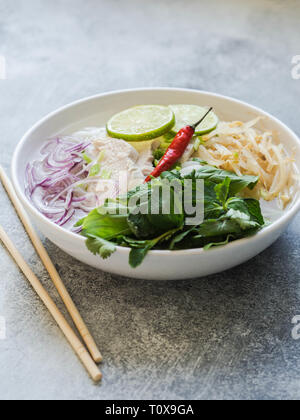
[(226, 336)]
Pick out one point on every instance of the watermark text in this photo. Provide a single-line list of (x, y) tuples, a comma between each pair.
[(296, 329), (296, 67), (160, 197)]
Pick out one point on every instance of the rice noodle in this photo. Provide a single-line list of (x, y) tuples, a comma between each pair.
[(243, 149)]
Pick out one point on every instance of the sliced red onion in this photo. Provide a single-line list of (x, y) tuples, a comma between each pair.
[(53, 182), (77, 230)]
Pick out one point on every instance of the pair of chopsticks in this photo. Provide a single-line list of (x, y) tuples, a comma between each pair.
[(89, 360)]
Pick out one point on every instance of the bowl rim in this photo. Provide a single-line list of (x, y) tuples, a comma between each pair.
[(283, 220)]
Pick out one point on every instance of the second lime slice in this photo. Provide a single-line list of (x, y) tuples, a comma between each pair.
[(190, 114), (145, 122)]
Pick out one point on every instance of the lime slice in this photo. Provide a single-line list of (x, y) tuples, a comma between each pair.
[(190, 114), (140, 123)]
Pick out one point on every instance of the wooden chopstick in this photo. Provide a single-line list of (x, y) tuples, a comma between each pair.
[(78, 347), (64, 294)]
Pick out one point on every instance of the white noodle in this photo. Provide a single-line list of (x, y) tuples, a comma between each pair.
[(240, 147)]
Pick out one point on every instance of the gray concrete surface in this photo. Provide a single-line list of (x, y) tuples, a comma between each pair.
[(226, 336)]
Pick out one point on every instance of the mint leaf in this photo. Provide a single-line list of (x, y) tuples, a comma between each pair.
[(248, 206), (254, 209), (137, 256), (222, 191), (141, 248), (218, 227), (242, 219), (149, 218), (105, 226), (215, 175)]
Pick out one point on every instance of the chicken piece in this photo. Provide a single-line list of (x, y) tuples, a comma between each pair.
[(119, 168), (145, 161), (123, 165)]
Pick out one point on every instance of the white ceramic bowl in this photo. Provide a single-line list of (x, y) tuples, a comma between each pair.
[(159, 265)]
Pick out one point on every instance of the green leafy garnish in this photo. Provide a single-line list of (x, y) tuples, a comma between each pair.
[(137, 219), (101, 156), (103, 223), (222, 191), (94, 171), (158, 154), (105, 174), (138, 253), (100, 246), (86, 158), (215, 244), (215, 175)]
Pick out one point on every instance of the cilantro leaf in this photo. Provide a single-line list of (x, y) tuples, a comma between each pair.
[(100, 246)]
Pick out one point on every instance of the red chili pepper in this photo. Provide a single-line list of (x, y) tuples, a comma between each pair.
[(176, 149)]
